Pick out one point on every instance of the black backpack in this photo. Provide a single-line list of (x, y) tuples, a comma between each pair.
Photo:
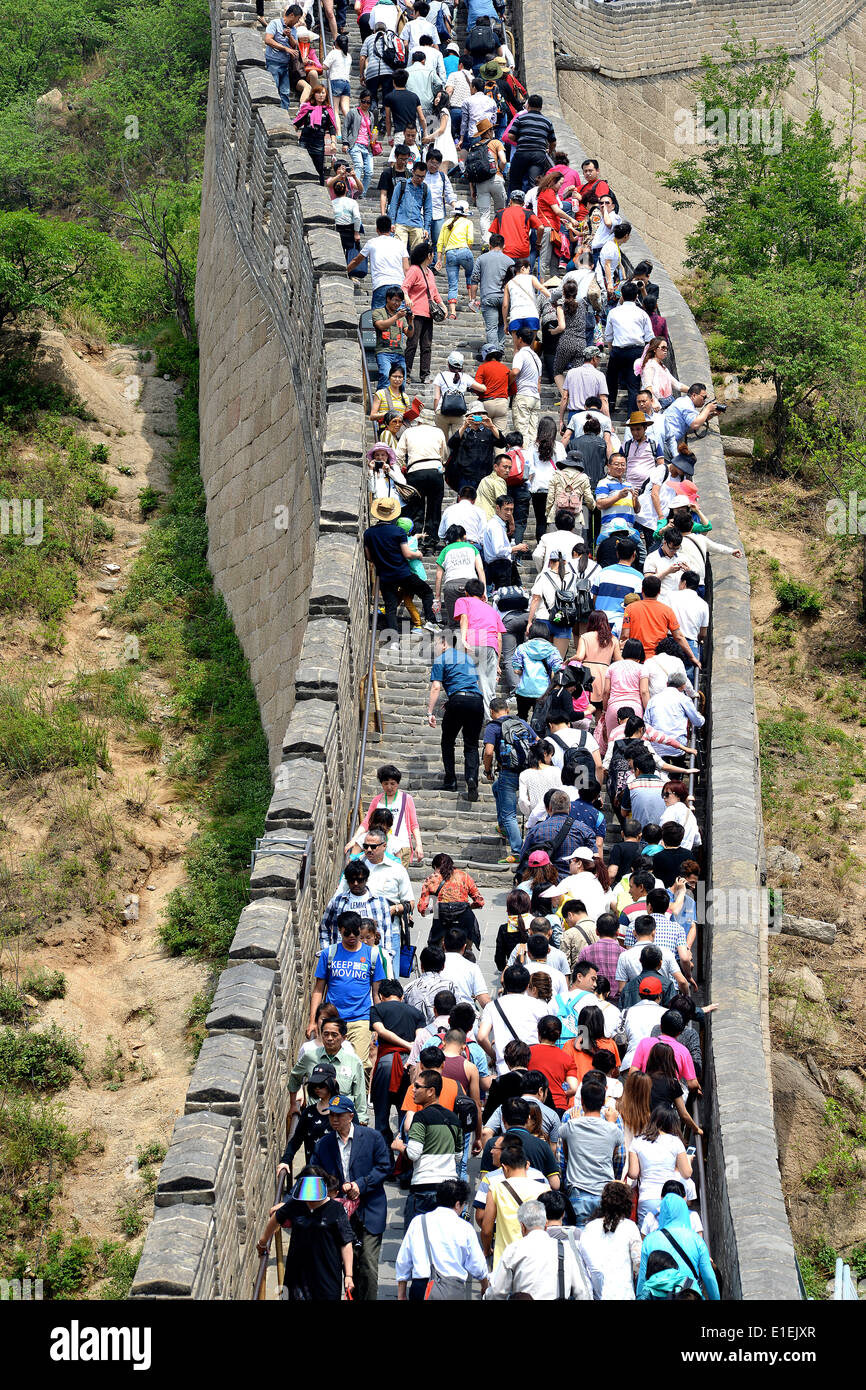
[(580, 761), (478, 166), (483, 38), (514, 745), (572, 601)]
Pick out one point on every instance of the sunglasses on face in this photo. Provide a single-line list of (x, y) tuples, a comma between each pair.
[(373, 844), (349, 932)]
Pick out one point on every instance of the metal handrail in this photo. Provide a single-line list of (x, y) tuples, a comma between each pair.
[(371, 663), (259, 1292), (323, 53)]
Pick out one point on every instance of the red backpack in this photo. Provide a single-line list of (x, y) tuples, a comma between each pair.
[(518, 465)]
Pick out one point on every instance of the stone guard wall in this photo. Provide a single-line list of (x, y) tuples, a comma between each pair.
[(624, 70), (282, 429), (751, 1238)]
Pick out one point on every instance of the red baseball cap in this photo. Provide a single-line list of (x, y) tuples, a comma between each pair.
[(650, 988)]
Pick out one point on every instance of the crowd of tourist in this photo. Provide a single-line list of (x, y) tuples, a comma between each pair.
[(540, 1121)]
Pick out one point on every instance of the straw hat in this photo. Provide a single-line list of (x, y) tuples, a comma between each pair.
[(385, 509)]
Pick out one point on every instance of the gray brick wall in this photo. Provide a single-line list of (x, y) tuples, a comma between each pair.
[(281, 431), (625, 69), (752, 1240)]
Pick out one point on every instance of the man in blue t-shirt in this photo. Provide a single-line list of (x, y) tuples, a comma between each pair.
[(454, 671), (351, 978)]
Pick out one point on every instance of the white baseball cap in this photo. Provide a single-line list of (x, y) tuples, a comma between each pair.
[(455, 359)]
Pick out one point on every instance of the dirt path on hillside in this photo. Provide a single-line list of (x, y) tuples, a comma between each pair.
[(805, 680), (126, 999)]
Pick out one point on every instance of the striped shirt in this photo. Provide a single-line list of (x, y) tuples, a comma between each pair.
[(609, 587), (623, 508), (530, 131)]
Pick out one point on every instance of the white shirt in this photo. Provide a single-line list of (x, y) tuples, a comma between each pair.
[(658, 1163), (628, 326), (385, 255), (692, 611), (646, 511), (522, 1013), (603, 232), (657, 670), (657, 561), (671, 712), (345, 1147), (464, 513), (585, 888), (571, 738), (611, 1258), (454, 1245), (561, 541), (531, 1265), (576, 423), (389, 15), (445, 381), (465, 977), (339, 65), (412, 33), (628, 967), (528, 367), (496, 544), (388, 879), (479, 107), (558, 982), (638, 1021), (539, 472), (680, 813), (583, 278), (611, 255)]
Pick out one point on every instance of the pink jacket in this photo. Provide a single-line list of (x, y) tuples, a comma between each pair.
[(415, 285)]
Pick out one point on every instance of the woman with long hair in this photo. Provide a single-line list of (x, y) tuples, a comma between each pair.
[(318, 126), (610, 1246), (451, 894), (520, 299), (655, 376), (541, 463), (591, 1037), (597, 648), (419, 286), (540, 986), (572, 340), (539, 777), (392, 398), (634, 1105), (441, 138), (655, 1155), (665, 1088), (552, 216)]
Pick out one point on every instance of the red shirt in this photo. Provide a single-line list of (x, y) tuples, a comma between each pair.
[(596, 186), (553, 1063), (514, 225), (493, 375)]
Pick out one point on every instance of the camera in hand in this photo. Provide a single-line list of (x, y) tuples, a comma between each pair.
[(720, 408)]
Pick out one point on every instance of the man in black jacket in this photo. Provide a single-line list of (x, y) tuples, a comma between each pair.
[(471, 450)]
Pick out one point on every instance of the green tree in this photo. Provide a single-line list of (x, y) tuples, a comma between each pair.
[(44, 262), (778, 198), (44, 43), (785, 326)]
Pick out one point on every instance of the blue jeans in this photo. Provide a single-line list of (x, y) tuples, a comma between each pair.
[(463, 1161), (454, 261), (378, 300), (282, 76), (386, 361), (505, 796), (436, 225), (362, 163), (695, 648), (584, 1203), (492, 316)]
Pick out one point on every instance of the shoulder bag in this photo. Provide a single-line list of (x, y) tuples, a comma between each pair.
[(441, 1287), (437, 311)]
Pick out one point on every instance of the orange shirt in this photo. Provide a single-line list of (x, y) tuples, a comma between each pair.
[(493, 375), (582, 1061), (446, 1099), (649, 622)]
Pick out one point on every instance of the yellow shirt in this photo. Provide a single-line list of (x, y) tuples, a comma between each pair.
[(507, 1224), (489, 489), (459, 235)]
